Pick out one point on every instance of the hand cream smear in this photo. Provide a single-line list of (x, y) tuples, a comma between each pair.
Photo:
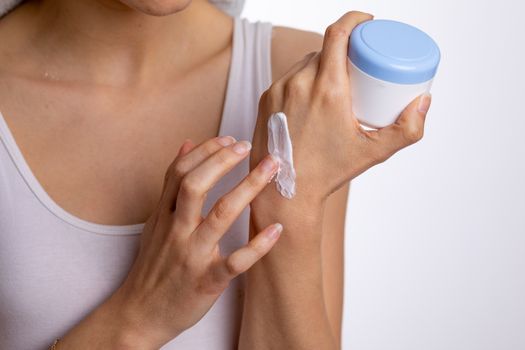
[(280, 146)]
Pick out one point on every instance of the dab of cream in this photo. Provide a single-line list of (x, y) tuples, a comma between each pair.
[(280, 146)]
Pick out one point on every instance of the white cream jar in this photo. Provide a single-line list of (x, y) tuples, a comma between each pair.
[(391, 63)]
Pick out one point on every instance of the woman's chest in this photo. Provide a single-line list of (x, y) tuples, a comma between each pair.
[(101, 153), (53, 275)]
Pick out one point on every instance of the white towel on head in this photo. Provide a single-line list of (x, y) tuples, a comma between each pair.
[(8, 5), (231, 7)]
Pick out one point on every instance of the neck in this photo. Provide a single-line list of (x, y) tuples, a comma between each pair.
[(117, 45)]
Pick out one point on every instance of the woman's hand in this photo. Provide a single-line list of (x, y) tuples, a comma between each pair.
[(179, 272), (329, 145), (285, 293)]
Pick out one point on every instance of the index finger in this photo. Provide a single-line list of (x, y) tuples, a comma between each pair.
[(189, 157), (335, 43)]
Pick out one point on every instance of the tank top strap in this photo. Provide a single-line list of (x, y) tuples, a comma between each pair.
[(250, 75)]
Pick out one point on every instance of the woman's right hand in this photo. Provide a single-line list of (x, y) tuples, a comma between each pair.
[(330, 147), (179, 272)]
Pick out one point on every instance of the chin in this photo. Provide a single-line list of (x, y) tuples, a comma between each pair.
[(157, 7)]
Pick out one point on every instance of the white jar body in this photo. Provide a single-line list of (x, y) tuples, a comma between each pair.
[(378, 103)]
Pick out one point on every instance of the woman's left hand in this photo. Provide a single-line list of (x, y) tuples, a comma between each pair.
[(329, 146)]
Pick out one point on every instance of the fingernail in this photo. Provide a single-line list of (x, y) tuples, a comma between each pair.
[(226, 140), (275, 231), (424, 103), (273, 176), (242, 147), (269, 164)]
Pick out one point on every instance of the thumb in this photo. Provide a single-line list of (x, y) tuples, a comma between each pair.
[(407, 130)]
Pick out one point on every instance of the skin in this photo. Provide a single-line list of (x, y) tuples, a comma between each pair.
[(78, 66), (314, 96), (296, 44), (179, 273)]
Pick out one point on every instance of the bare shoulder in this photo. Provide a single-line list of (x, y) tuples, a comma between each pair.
[(290, 45)]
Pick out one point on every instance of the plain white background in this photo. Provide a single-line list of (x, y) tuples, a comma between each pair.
[(435, 237)]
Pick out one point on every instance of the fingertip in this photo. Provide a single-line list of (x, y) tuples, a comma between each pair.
[(369, 15), (424, 103), (274, 231), (364, 15), (226, 140), (419, 106), (269, 165)]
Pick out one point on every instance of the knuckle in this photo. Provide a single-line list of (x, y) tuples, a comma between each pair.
[(412, 134), (190, 186), (330, 95), (210, 147), (336, 30), (223, 157), (253, 181), (296, 86), (232, 267), (178, 169), (222, 209)]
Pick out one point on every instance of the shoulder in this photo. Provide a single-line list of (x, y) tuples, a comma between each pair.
[(290, 45)]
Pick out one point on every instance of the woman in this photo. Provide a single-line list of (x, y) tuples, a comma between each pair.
[(124, 219)]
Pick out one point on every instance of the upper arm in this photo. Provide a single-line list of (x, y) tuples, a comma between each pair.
[(289, 46)]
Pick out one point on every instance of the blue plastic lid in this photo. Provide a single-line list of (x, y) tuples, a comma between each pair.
[(394, 51)]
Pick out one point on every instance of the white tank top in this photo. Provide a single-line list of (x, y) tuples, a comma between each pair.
[(55, 268)]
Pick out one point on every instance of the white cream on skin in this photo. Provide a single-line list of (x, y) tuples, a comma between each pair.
[(280, 147)]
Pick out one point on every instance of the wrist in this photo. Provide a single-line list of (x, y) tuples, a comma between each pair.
[(124, 330), (302, 213), (132, 330), (111, 331)]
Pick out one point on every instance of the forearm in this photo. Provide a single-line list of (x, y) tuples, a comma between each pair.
[(284, 303)]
